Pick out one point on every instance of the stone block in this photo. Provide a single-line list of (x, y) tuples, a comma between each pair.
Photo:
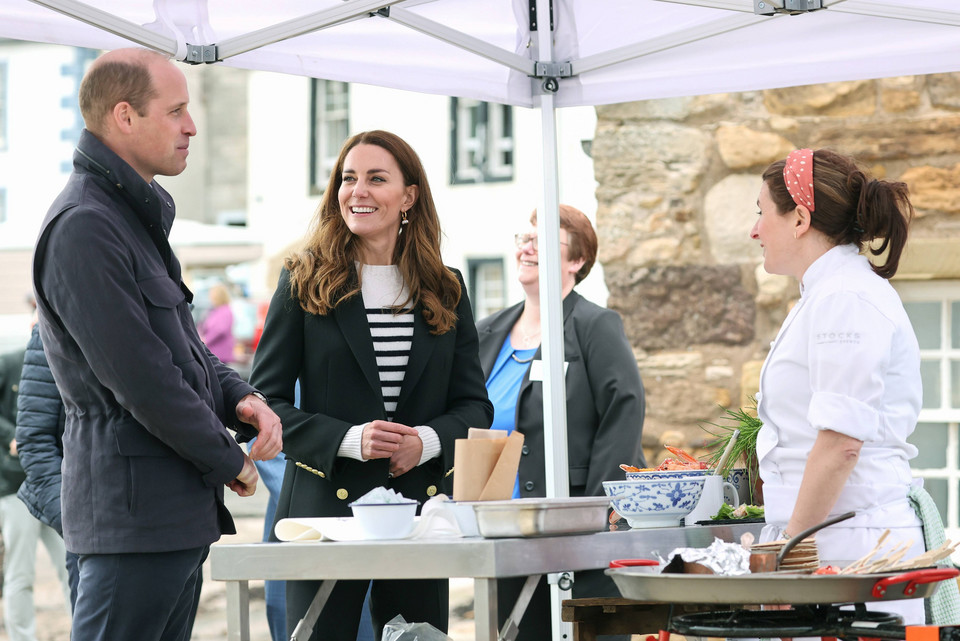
[(944, 90), (934, 188), (729, 213), (904, 139), (679, 307), (836, 99), (742, 147)]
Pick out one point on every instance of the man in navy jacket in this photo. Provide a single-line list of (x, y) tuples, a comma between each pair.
[(146, 452)]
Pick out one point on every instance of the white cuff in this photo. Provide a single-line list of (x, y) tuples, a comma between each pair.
[(431, 443), (350, 445)]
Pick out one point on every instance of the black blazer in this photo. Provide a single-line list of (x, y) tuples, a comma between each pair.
[(333, 357), (605, 400)]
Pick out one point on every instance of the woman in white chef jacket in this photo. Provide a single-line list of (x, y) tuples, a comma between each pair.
[(840, 389)]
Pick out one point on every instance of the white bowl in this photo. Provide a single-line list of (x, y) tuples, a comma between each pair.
[(385, 520), (649, 503)]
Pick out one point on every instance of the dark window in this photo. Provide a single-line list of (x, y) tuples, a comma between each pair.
[(329, 128), (487, 285), (481, 141)]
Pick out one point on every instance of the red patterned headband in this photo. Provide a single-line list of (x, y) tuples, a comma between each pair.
[(798, 175)]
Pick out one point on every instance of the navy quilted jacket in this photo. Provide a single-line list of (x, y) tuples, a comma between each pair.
[(40, 421)]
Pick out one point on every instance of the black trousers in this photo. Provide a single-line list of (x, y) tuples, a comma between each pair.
[(138, 597), (417, 601), (536, 622)]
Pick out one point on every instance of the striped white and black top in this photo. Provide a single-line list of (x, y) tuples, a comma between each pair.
[(383, 290)]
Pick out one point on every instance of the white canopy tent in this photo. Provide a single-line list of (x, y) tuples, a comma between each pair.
[(600, 52)]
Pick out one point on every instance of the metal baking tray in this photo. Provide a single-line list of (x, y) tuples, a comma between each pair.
[(541, 517), (777, 587)]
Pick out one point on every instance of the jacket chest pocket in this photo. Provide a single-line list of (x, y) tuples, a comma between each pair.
[(163, 298)]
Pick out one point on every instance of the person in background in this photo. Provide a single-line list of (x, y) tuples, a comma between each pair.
[(604, 394), (840, 389), (40, 421), (21, 530), (380, 335), (216, 328), (146, 449)]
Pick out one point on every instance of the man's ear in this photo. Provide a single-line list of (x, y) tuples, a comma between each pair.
[(122, 116)]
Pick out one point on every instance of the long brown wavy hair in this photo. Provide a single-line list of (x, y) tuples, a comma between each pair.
[(323, 272)]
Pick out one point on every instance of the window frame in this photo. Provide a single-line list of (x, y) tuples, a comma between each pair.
[(481, 134), (321, 116), (478, 300), (947, 294)]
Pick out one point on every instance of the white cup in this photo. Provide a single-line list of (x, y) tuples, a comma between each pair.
[(716, 492)]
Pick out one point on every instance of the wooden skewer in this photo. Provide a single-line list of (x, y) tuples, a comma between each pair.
[(853, 567)]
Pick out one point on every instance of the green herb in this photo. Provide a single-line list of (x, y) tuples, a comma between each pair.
[(743, 512), (745, 446)]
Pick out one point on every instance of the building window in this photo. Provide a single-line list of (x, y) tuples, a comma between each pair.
[(481, 142), (329, 128), (3, 104), (934, 310), (487, 289)]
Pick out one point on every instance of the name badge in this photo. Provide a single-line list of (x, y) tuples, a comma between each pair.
[(536, 370)]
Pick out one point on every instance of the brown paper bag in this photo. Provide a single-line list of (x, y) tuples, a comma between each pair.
[(485, 465)]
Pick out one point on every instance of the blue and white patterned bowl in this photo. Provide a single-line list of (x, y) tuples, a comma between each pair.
[(665, 474), (649, 503)]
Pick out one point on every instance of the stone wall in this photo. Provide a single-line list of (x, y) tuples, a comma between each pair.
[(678, 183)]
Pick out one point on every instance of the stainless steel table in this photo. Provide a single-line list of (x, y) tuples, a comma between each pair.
[(483, 560)]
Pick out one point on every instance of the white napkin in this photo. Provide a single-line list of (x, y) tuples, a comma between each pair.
[(436, 520)]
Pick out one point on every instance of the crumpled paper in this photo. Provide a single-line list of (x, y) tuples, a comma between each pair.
[(727, 559), (381, 495)]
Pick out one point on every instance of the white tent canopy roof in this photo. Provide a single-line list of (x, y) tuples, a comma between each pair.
[(608, 50)]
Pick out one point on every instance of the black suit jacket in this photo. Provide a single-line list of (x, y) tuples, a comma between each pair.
[(332, 356), (605, 400)]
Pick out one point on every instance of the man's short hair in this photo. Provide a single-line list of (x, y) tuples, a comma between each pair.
[(109, 82)]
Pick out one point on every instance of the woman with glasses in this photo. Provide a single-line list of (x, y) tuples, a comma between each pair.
[(605, 402)]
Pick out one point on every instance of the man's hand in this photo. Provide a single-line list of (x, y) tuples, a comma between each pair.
[(246, 482), (382, 439), (254, 411)]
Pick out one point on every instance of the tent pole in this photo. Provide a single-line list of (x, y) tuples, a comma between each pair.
[(112, 24), (551, 302)]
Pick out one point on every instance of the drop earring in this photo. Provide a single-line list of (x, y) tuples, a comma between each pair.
[(403, 218)]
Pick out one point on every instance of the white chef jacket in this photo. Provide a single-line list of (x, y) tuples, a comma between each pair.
[(845, 359)]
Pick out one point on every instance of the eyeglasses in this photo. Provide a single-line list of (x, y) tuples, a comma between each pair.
[(522, 239)]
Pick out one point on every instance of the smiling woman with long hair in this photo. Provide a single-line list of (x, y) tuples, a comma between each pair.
[(380, 335)]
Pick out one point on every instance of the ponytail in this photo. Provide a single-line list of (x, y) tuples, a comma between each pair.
[(851, 207)]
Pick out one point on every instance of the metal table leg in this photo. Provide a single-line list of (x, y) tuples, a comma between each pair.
[(485, 609), (238, 611), (511, 625), (305, 626)]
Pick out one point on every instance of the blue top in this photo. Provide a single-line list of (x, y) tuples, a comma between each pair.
[(503, 388)]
